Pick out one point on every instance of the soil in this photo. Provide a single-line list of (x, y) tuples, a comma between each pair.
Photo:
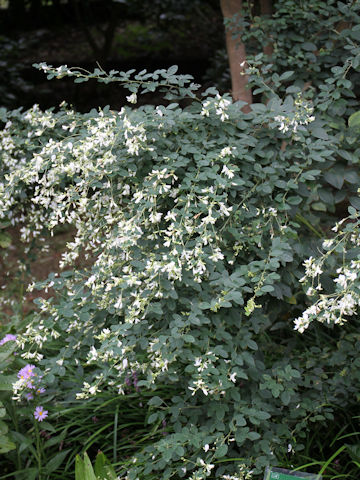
[(18, 269)]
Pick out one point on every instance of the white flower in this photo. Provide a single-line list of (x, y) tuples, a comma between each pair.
[(159, 111), (229, 173), (341, 280), (310, 291), (207, 466), (205, 108), (132, 98), (170, 216), (155, 217), (232, 377), (224, 209), (302, 323), (227, 152), (217, 255), (328, 243)]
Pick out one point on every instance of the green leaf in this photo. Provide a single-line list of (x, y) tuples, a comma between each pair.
[(221, 451), (253, 436), (351, 176), (153, 417), (188, 338), (5, 240), (319, 207), (286, 75), (335, 178), (294, 200), (3, 428), (6, 382), (326, 196), (261, 415), (25, 442), (239, 420), (6, 445), (55, 462), (172, 70), (267, 288), (56, 440), (50, 428), (354, 451), (103, 468), (88, 469), (6, 350), (354, 120), (285, 397), (352, 211), (309, 47), (355, 202), (79, 468), (180, 451), (155, 401), (319, 132)]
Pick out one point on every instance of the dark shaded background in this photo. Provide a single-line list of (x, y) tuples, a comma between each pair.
[(121, 34)]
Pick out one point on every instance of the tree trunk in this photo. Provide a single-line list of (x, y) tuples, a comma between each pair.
[(237, 55), (266, 9)]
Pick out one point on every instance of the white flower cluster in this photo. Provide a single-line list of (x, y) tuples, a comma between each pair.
[(243, 474), (344, 302), (220, 104), (302, 115), (88, 390)]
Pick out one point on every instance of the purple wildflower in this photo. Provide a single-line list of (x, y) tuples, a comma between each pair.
[(135, 380), (40, 390), (29, 396), (40, 414), (9, 337), (26, 372)]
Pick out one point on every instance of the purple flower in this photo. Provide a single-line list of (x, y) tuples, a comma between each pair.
[(40, 414), (9, 337), (135, 380), (26, 372), (29, 396), (40, 390)]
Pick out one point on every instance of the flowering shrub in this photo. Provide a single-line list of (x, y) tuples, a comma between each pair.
[(192, 224)]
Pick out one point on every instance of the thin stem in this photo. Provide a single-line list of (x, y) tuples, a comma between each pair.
[(115, 433), (38, 448)]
